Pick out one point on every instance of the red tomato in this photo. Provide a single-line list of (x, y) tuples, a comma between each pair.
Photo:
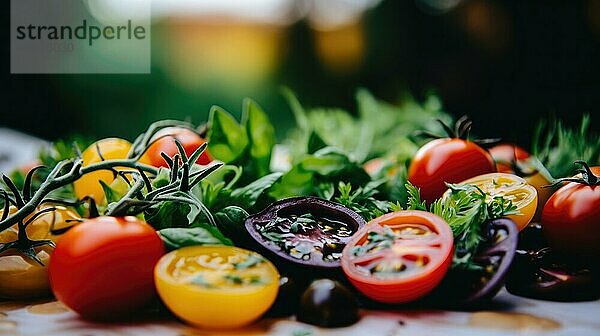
[(505, 154), (164, 141), (447, 160), (399, 257), (571, 218), (103, 268)]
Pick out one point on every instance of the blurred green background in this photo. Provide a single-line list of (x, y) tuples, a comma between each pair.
[(505, 63)]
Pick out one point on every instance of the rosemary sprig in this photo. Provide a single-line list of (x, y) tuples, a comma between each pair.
[(558, 146)]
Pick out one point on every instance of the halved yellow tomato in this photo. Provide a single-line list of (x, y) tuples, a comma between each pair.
[(110, 149), (510, 187), (217, 287)]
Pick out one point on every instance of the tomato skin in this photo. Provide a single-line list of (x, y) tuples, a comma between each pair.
[(410, 287), (504, 154), (164, 141), (89, 184), (571, 219), (447, 160), (103, 268), (22, 278)]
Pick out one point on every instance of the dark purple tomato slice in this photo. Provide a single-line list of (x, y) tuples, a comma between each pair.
[(466, 288), (304, 232)]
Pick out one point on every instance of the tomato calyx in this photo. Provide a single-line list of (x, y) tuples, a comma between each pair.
[(461, 130), (587, 176), (181, 179)]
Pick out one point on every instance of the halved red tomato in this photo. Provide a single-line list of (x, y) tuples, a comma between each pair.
[(399, 257)]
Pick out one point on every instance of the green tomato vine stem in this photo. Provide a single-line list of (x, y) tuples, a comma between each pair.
[(56, 180)]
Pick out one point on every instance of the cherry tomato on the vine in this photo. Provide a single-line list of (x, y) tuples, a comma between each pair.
[(447, 160), (505, 154), (105, 149), (22, 277), (164, 142), (571, 217)]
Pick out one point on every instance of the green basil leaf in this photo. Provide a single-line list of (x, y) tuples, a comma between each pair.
[(230, 221), (169, 215), (227, 140), (315, 142), (326, 161), (175, 238), (261, 135), (296, 182), (247, 196)]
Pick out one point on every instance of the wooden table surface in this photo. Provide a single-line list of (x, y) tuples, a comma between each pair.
[(509, 315)]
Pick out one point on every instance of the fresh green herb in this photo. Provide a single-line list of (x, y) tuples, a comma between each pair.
[(375, 241), (234, 278), (248, 145), (362, 199), (380, 129), (230, 221), (250, 261), (199, 280), (558, 146), (466, 209), (256, 280), (175, 238), (315, 171)]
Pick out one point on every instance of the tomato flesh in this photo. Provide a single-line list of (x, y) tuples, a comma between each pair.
[(102, 268), (218, 287), (447, 160), (512, 188), (399, 257)]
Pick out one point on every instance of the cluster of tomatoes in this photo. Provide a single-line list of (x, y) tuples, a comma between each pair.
[(570, 216), (114, 266)]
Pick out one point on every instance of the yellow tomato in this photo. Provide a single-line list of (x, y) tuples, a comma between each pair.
[(89, 184), (60, 220), (20, 276), (217, 287), (512, 188), (539, 181)]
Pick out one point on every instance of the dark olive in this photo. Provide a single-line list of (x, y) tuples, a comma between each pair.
[(466, 288), (542, 274), (532, 237), (303, 233), (327, 303), (287, 298)]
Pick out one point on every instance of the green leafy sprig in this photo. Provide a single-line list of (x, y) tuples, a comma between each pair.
[(466, 208)]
